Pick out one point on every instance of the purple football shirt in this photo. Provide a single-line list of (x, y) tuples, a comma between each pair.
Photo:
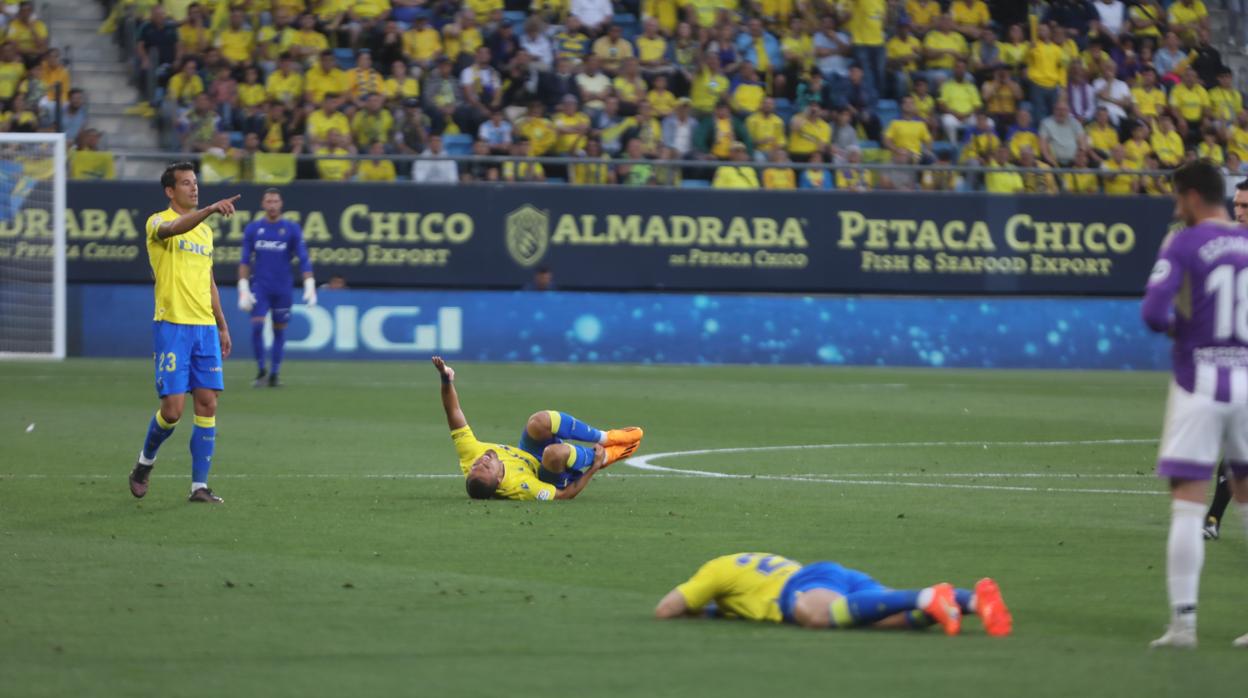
[(1198, 292)]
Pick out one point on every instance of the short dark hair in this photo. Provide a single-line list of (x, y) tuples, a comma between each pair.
[(169, 177), (271, 190), (479, 489), (1202, 177), (1242, 186)]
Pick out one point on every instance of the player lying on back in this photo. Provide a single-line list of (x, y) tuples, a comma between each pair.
[(1198, 294), (543, 466), (771, 588)]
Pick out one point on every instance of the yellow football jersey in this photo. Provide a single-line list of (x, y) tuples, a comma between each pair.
[(182, 265), (520, 479), (742, 585)]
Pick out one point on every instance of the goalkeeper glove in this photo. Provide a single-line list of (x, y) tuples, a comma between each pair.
[(246, 301), (309, 291)]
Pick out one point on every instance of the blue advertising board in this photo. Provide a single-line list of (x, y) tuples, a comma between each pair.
[(625, 238), (114, 320)]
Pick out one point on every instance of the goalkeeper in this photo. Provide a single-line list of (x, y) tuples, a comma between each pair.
[(265, 286)]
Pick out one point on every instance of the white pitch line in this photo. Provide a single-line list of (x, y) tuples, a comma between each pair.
[(645, 463)]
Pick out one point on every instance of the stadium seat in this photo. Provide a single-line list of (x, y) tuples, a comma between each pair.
[(556, 180), (695, 184), (236, 139), (942, 147), (458, 144), (888, 112), (345, 58), (628, 24), (515, 18)]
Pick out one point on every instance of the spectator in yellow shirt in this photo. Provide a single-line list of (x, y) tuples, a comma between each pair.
[(902, 54), (1188, 16), (779, 177), (334, 168), (922, 14), (378, 170), (363, 79), (1022, 134), (1189, 102), (969, 17), (184, 84), (1167, 143), (571, 126), (1081, 182), (612, 49), (735, 174), (324, 78), (941, 47), (1119, 184), (1209, 148), (307, 43), (1147, 98), (766, 128), (1225, 102), (959, 100), (326, 119), (852, 177), (30, 35), (1137, 147), (1237, 136), (422, 43), (809, 133), (749, 92), (908, 134), (661, 98), (237, 41), (1046, 71), (629, 86), (1002, 178)]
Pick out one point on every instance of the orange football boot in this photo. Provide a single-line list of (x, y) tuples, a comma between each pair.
[(991, 608), (944, 608)]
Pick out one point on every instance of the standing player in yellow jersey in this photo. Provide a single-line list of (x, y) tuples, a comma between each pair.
[(542, 466), (771, 588), (190, 335)]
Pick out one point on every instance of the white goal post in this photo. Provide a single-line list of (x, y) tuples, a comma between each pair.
[(32, 245)]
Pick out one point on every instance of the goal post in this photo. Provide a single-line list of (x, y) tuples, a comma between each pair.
[(32, 245)]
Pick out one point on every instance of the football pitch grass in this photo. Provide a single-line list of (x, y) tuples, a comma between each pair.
[(347, 559)]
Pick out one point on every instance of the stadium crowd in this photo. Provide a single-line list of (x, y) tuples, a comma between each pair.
[(746, 87), (35, 87)]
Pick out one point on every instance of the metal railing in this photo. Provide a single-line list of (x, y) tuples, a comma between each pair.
[(702, 166)]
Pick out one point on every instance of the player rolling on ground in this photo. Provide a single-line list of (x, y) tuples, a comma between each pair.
[(1198, 294), (543, 466), (190, 335), (771, 588), (264, 287)]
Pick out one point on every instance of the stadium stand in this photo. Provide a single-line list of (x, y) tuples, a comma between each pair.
[(1002, 85)]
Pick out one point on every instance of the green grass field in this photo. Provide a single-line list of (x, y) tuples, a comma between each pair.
[(346, 562)]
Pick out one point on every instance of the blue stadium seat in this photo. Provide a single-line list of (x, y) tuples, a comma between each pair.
[(888, 111), (865, 144), (556, 180), (695, 184), (345, 58), (628, 24), (458, 144), (236, 139), (515, 18)]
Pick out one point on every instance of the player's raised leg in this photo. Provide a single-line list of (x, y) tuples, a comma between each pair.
[(551, 425)]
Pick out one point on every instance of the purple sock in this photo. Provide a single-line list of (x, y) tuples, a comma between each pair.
[(257, 343), (279, 345)]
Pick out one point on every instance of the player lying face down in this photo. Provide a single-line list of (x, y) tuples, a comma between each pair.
[(771, 588), (543, 465)]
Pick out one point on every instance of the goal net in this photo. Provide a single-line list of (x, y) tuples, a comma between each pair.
[(32, 245)]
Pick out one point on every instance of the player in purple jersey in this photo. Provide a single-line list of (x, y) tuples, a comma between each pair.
[(264, 287), (1198, 294), (1222, 491)]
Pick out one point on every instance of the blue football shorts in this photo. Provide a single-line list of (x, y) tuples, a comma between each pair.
[(186, 357), (278, 302), (824, 575), (535, 448)]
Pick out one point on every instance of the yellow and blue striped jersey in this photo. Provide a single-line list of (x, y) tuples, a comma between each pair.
[(520, 479), (742, 585), (182, 265)]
